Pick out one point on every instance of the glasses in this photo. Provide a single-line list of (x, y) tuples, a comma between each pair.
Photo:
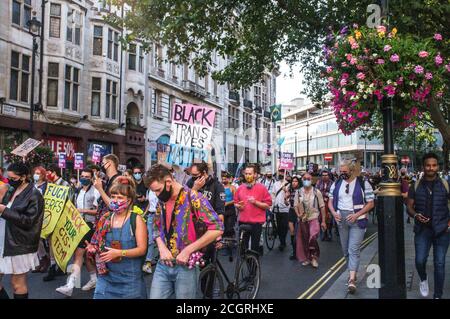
[(307, 179), (347, 188)]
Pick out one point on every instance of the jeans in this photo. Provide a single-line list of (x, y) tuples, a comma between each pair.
[(351, 236), (423, 241), (255, 235), (151, 242), (178, 280), (282, 226)]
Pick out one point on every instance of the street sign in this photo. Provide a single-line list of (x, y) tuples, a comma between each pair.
[(9, 110), (405, 159), (328, 157)]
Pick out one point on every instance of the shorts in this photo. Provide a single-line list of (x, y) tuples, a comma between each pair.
[(292, 216), (88, 236)]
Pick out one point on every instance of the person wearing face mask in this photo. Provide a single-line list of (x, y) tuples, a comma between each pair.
[(324, 186), (350, 199), (40, 179), (252, 200), (110, 163), (20, 228), (294, 188), (309, 203), (86, 203), (230, 210), (141, 190), (176, 234), (119, 245), (3, 179), (280, 196)]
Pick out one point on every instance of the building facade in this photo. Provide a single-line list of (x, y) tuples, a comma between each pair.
[(94, 91)]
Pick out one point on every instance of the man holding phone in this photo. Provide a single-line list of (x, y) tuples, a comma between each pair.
[(428, 206)]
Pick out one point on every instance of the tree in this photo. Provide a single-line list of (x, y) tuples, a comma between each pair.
[(40, 156), (260, 34)]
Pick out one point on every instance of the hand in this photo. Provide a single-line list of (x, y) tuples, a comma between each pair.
[(337, 217), (324, 226), (98, 183), (166, 257), (239, 205), (422, 219), (183, 257), (91, 249), (110, 254), (199, 183), (251, 200), (352, 218)]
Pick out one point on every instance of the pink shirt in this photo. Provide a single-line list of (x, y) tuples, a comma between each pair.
[(252, 213)]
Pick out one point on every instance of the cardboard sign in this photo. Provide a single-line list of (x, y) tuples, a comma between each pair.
[(26, 147), (69, 231), (186, 156), (54, 200), (62, 157), (79, 161), (97, 153), (287, 161)]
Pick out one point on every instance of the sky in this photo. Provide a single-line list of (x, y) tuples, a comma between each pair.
[(288, 88)]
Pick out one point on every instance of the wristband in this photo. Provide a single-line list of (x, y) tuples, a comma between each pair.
[(124, 253)]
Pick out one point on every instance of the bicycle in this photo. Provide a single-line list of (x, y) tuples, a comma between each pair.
[(247, 273), (270, 231)]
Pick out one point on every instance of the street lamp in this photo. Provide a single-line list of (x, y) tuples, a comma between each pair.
[(414, 149), (34, 29), (295, 150)]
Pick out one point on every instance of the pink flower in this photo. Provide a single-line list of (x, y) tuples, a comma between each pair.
[(343, 82), (438, 37), (428, 76), (423, 54), (345, 75), (448, 67), (360, 67), (344, 64), (387, 48), (438, 60), (353, 61), (351, 119), (439, 94), (400, 80), (329, 69), (330, 79), (381, 28), (355, 46), (390, 90), (360, 115), (360, 76), (378, 94), (348, 56), (380, 61), (395, 58), (418, 69)]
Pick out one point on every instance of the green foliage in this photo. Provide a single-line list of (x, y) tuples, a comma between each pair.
[(40, 156)]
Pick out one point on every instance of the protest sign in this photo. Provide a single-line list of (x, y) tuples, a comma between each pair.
[(79, 161), (26, 147), (122, 168), (287, 161), (186, 156), (54, 200), (69, 231), (96, 154), (62, 160)]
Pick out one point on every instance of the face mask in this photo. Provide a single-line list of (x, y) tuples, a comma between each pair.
[(85, 181), (280, 177), (118, 207), (165, 195), (307, 183), (137, 176), (345, 176), (50, 177), (249, 179), (36, 177), (195, 178), (15, 184), (104, 168)]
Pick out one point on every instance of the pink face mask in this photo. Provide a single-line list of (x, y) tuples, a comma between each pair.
[(118, 207)]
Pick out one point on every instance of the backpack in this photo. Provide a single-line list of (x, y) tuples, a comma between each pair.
[(133, 218)]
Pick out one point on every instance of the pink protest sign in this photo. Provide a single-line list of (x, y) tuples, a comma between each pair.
[(62, 160), (79, 161), (96, 154), (287, 161)]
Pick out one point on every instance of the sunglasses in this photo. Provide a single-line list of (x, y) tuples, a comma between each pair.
[(347, 188)]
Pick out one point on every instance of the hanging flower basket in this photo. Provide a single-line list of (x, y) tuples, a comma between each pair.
[(364, 65)]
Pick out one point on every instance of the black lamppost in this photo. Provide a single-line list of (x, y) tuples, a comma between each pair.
[(34, 29), (295, 150), (390, 210), (414, 149)]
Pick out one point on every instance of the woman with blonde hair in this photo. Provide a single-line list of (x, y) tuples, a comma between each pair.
[(350, 199)]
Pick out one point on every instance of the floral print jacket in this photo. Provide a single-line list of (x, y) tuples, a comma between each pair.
[(182, 224)]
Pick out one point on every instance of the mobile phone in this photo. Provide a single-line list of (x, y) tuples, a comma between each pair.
[(116, 245)]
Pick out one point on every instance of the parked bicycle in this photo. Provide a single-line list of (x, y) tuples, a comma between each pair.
[(247, 273), (270, 230)]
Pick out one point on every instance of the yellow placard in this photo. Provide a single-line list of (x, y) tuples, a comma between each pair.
[(54, 198), (69, 231)]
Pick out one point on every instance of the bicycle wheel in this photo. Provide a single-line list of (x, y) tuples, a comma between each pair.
[(249, 277), (270, 234), (210, 283)]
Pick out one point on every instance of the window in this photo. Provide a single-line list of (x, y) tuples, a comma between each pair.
[(132, 57), (264, 95), (111, 99), (116, 46), (96, 96), (247, 120), (71, 88), (233, 117), (141, 60), (215, 87), (173, 68), (77, 35), (98, 40), (156, 103), (21, 8), (52, 84), (157, 56), (69, 32), (171, 102), (110, 44), (257, 96), (55, 20), (20, 76), (113, 45)]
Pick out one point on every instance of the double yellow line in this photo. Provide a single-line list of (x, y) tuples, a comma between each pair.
[(308, 294)]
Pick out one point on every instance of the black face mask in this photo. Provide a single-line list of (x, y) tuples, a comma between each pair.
[(165, 195), (195, 178), (280, 177), (15, 184), (344, 176), (104, 169)]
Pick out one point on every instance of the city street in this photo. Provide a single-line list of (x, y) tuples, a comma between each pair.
[(281, 278)]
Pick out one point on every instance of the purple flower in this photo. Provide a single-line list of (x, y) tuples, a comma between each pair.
[(438, 60), (423, 54), (428, 75), (438, 37), (418, 69), (448, 67), (329, 69), (380, 61), (395, 58), (344, 30), (387, 48)]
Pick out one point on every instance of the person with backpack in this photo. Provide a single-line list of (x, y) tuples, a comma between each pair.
[(294, 187), (350, 199), (184, 224), (428, 205), (119, 245), (281, 209), (310, 205)]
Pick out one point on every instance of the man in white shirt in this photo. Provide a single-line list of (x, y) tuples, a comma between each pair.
[(280, 208), (151, 209)]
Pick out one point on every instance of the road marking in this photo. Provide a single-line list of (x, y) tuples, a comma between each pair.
[(333, 270)]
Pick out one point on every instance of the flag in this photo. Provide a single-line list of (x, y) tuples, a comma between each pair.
[(275, 112), (239, 168)]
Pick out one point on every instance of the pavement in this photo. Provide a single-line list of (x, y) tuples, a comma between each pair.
[(369, 256)]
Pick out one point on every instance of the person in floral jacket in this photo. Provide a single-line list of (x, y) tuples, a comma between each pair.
[(177, 232)]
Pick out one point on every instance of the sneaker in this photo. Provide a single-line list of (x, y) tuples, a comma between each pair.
[(65, 290), (51, 274), (314, 263), (424, 289), (351, 286), (90, 285), (306, 263), (147, 268)]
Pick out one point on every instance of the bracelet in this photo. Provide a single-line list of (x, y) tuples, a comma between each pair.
[(124, 253)]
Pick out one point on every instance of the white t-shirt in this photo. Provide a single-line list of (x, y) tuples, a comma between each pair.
[(88, 200), (152, 201), (345, 201)]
